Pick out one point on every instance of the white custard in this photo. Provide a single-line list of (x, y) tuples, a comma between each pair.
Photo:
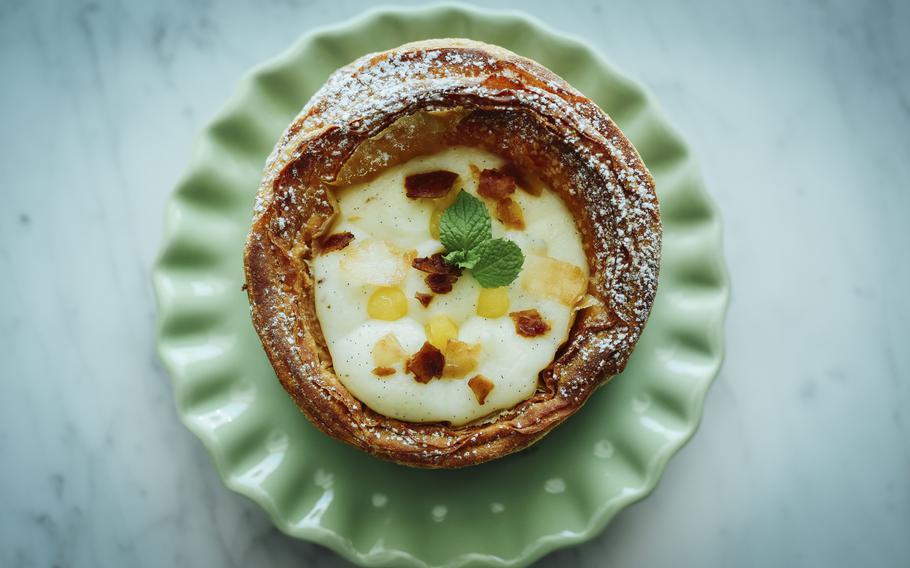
[(385, 221)]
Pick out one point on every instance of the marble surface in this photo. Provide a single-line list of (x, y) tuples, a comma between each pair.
[(800, 113)]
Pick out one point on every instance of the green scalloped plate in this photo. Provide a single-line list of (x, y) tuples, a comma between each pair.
[(509, 512)]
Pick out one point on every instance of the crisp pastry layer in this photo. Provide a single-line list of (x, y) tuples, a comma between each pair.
[(369, 353), (386, 109)]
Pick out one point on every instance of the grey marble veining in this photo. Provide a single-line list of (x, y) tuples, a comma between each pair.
[(800, 113)]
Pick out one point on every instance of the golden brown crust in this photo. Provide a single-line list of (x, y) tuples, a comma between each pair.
[(385, 108)]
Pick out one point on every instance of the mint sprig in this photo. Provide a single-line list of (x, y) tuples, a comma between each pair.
[(465, 231), (464, 224), (498, 263)]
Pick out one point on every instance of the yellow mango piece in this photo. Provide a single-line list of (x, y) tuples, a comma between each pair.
[(387, 304), (434, 223), (493, 302), (440, 329)]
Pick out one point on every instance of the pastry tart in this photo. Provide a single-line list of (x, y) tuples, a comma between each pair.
[(451, 250)]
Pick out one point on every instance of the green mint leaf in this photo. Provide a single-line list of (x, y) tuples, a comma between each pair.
[(499, 262), (466, 233), (465, 224), (462, 259)]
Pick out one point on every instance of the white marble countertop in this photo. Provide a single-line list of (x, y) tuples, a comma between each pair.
[(800, 113)]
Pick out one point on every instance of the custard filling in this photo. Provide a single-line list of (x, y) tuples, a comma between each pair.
[(482, 348)]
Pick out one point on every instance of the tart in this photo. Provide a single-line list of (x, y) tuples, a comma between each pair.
[(451, 249)]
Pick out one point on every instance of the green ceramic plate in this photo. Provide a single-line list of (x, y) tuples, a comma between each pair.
[(505, 513)]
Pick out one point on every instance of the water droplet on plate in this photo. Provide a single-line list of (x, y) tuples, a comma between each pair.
[(641, 402), (604, 449), (554, 485), (379, 500)]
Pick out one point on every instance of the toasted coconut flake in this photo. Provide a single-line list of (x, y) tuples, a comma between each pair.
[(376, 262), (335, 241), (388, 351), (461, 358), (529, 323), (550, 278), (495, 185), (424, 299), (383, 371), (509, 213), (481, 387), (426, 364), (431, 185)]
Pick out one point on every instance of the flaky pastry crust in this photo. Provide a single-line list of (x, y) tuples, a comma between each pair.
[(385, 108)]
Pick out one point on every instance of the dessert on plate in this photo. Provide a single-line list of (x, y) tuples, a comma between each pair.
[(451, 249)]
